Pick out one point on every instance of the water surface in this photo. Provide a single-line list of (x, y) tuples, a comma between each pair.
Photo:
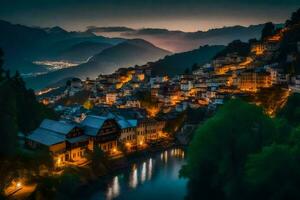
[(152, 178)]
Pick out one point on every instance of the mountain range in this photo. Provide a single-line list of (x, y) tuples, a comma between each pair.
[(179, 41), (22, 45), (33, 50), (125, 54)]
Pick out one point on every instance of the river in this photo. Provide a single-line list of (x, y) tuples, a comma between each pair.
[(155, 177)]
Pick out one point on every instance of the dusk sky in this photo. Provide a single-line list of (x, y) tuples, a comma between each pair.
[(188, 15)]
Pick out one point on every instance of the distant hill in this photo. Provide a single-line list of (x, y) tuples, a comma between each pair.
[(23, 44), (177, 63), (125, 54), (179, 41), (82, 51)]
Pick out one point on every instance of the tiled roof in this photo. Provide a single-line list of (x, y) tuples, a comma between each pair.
[(91, 131), (46, 137), (94, 121), (57, 126), (123, 123), (82, 138)]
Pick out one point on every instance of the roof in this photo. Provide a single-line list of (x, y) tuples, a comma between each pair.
[(82, 138), (46, 137), (123, 123), (94, 121), (91, 131), (57, 126)]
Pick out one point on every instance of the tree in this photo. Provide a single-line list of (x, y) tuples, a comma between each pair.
[(295, 19), (219, 150), (274, 173), (268, 30), (99, 161), (195, 67), (187, 71), (236, 46), (1, 65), (291, 110)]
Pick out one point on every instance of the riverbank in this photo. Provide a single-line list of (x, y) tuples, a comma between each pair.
[(86, 175), (145, 176)]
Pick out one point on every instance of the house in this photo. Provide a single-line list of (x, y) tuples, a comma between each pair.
[(149, 130), (102, 131), (253, 80), (128, 132), (258, 48), (132, 103), (111, 97), (186, 85), (65, 141)]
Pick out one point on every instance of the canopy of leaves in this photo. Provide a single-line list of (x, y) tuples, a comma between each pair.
[(218, 152), (240, 153), (268, 30), (236, 46), (291, 111)]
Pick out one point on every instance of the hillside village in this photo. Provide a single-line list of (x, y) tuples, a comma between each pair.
[(133, 108)]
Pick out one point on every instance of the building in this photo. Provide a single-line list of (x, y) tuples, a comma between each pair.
[(128, 132), (66, 142), (149, 130), (102, 131), (132, 103), (252, 80), (111, 97), (258, 48)]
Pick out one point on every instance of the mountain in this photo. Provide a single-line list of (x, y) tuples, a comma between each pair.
[(22, 44), (125, 54), (178, 63), (179, 41), (82, 51)]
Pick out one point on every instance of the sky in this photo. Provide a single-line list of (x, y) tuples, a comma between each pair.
[(184, 15)]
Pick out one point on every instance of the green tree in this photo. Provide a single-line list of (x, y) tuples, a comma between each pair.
[(236, 46), (99, 161), (1, 65), (274, 173), (187, 71), (268, 30), (291, 110), (295, 19), (219, 150)]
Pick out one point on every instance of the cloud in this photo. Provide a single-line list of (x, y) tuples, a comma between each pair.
[(114, 29), (178, 41)]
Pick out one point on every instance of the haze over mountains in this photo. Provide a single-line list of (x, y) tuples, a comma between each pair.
[(47, 55), (179, 41), (22, 44), (125, 54)]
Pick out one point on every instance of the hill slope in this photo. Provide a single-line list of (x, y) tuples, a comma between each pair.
[(177, 63), (125, 54), (82, 51), (23, 44), (179, 41)]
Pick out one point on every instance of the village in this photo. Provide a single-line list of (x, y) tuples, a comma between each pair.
[(132, 108)]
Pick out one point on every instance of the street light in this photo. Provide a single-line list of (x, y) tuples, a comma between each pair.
[(18, 185)]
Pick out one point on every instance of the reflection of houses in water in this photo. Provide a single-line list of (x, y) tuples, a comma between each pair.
[(142, 173), (149, 174), (114, 189), (133, 179), (174, 153)]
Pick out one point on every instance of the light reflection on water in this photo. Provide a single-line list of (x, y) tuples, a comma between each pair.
[(133, 180), (114, 189), (142, 173)]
